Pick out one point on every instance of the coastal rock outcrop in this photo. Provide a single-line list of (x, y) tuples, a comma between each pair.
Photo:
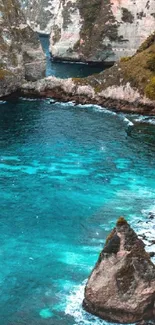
[(92, 30), (21, 54), (127, 86), (121, 287)]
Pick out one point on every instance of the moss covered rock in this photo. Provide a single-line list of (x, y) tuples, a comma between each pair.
[(121, 287)]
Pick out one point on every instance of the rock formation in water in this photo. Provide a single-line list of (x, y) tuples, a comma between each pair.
[(20, 51), (92, 30), (121, 287), (128, 86)]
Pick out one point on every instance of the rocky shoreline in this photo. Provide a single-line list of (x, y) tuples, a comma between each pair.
[(70, 90), (57, 92)]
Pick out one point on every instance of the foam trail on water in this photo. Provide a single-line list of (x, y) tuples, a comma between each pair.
[(74, 308), (145, 119), (3, 102), (126, 120), (30, 99), (146, 229), (103, 109)]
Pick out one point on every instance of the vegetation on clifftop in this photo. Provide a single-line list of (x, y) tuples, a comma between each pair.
[(138, 71)]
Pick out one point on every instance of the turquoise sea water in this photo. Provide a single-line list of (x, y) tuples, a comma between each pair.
[(67, 173)]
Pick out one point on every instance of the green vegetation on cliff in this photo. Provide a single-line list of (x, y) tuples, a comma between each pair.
[(138, 71)]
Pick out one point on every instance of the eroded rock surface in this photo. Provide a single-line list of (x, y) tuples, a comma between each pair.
[(92, 30), (40, 14), (21, 55), (121, 287)]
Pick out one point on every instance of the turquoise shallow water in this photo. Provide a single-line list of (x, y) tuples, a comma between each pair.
[(67, 173)]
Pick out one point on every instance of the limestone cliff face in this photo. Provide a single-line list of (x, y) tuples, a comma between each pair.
[(40, 14), (21, 55), (100, 30), (92, 30)]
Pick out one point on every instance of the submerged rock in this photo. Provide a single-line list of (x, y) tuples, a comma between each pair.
[(121, 287), (20, 51)]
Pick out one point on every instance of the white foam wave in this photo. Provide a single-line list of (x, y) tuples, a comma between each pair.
[(126, 120), (97, 108), (66, 104), (85, 106), (145, 119), (3, 102), (146, 229), (30, 99), (74, 308)]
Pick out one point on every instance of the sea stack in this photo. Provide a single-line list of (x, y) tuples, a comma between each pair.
[(121, 287)]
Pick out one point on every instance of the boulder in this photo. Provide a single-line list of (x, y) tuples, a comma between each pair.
[(121, 287)]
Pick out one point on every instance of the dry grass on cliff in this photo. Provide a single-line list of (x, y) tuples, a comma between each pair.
[(140, 71)]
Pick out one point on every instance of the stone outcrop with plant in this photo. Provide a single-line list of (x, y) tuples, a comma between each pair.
[(121, 287), (21, 55), (92, 30)]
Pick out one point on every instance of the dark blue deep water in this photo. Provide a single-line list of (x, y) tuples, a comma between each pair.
[(66, 69), (67, 173)]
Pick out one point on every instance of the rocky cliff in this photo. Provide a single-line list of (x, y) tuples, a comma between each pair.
[(92, 30), (39, 14), (128, 86), (21, 55), (121, 287)]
